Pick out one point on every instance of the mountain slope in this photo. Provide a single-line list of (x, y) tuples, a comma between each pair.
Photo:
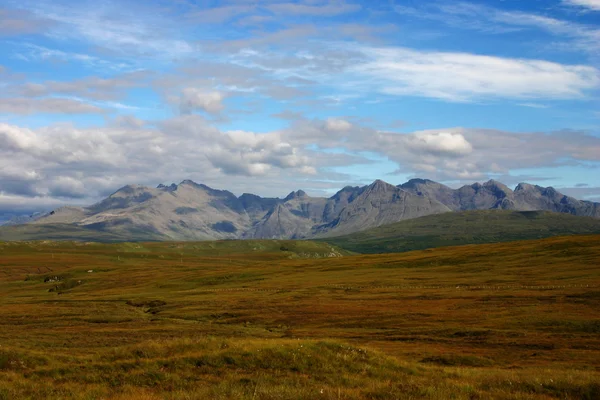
[(191, 211), (495, 195), (465, 227), (378, 204)]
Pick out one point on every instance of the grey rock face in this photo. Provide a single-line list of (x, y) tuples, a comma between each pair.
[(378, 204), (191, 211), (495, 195)]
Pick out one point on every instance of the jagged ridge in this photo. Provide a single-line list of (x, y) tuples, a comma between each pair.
[(192, 211)]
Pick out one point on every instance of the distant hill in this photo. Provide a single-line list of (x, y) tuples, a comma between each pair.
[(467, 227), (192, 211), (66, 232)]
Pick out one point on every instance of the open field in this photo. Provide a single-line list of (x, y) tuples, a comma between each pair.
[(299, 320)]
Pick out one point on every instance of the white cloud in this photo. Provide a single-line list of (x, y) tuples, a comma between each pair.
[(193, 99), (465, 77), (91, 87), (25, 106), (455, 153), (63, 162), (128, 121), (68, 162), (591, 4), (335, 124), (452, 144), (14, 138), (327, 9)]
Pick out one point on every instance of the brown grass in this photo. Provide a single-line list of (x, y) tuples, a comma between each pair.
[(182, 320)]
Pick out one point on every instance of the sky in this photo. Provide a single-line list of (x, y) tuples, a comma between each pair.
[(270, 96)]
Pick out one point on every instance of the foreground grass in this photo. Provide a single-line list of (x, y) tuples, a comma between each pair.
[(272, 369), (269, 320)]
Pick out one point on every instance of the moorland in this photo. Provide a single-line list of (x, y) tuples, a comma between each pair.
[(299, 320)]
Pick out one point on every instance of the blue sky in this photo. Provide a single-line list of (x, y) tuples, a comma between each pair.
[(276, 95)]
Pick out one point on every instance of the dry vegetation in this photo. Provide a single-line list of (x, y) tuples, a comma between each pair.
[(262, 320)]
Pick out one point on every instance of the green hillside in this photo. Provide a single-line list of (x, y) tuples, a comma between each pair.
[(470, 227), (66, 232)]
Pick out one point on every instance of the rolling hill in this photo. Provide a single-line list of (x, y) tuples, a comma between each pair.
[(467, 227)]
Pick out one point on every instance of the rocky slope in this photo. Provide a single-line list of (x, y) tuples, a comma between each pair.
[(495, 195), (191, 211)]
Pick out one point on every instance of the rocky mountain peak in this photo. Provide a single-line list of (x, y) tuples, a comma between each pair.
[(381, 186), (492, 183), (126, 189), (191, 183), (497, 187), (295, 195), (130, 190), (415, 182), (210, 191), (249, 197), (525, 187), (172, 187)]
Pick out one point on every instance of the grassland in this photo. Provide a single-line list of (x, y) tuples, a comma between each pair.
[(294, 320), (468, 227), (65, 232)]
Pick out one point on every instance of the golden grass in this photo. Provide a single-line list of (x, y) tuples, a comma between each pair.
[(228, 320)]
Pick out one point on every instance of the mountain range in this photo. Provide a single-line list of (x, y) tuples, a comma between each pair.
[(191, 211)]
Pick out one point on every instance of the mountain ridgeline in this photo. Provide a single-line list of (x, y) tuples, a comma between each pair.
[(191, 211)]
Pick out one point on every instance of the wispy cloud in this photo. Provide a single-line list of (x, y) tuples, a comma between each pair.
[(463, 15), (219, 15), (51, 105), (33, 52), (590, 4), (95, 88), (21, 22), (321, 9), (116, 29), (465, 77), (534, 105)]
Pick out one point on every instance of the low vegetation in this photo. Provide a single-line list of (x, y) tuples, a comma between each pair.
[(299, 320), (57, 232), (468, 227)]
